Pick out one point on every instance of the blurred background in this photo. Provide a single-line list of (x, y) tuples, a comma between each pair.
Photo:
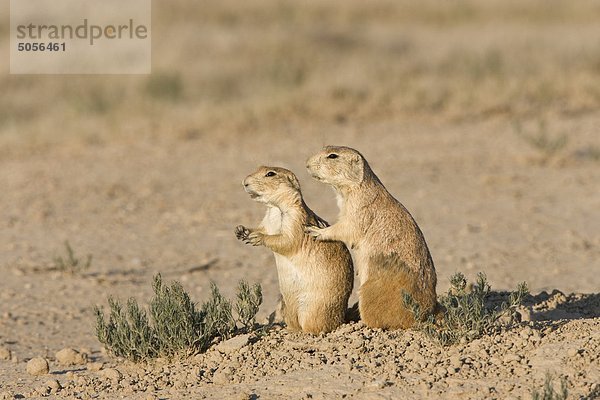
[(245, 67), (481, 117)]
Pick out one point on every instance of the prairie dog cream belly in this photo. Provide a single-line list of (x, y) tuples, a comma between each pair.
[(289, 279), (272, 221)]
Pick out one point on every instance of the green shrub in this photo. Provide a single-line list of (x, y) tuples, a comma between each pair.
[(70, 263), (466, 315), (549, 393), (175, 327), (248, 302)]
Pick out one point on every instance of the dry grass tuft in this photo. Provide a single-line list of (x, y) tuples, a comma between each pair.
[(70, 263)]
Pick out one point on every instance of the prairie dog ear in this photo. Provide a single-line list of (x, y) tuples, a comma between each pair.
[(357, 168), (294, 181)]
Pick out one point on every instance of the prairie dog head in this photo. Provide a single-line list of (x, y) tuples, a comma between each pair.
[(338, 166), (273, 185)]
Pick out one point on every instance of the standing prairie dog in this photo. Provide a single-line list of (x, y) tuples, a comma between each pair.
[(391, 255), (315, 278)]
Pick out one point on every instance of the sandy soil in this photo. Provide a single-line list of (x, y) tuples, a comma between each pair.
[(170, 207), (149, 186)]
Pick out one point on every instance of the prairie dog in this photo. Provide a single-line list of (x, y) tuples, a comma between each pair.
[(315, 278), (391, 255)]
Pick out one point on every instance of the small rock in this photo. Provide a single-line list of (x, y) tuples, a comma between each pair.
[(356, 343), (37, 366), (112, 374), (69, 356), (53, 385), (221, 377), (233, 344), (525, 333), (520, 343), (135, 262), (511, 357), (95, 366), (418, 359), (441, 371), (525, 314), (572, 352), (179, 384), (5, 354), (452, 370), (42, 391), (455, 361), (377, 384)]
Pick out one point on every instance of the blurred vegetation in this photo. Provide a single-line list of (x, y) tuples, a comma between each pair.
[(237, 67), (548, 392), (546, 144), (162, 85), (70, 263)]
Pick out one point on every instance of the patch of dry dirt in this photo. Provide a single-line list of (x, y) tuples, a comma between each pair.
[(171, 207)]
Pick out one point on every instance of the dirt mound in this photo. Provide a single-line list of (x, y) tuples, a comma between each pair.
[(354, 361)]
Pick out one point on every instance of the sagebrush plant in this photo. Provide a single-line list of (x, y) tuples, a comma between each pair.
[(174, 327), (71, 263), (465, 314), (549, 393), (248, 303)]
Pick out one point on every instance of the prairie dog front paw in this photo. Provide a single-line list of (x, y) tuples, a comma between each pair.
[(255, 239), (241, 232)]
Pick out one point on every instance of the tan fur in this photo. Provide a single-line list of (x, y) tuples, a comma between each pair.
[(391, 255), (315, 278)]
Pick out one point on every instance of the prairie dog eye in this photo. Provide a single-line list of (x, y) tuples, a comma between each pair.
[(332, 155), (270, 174)]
